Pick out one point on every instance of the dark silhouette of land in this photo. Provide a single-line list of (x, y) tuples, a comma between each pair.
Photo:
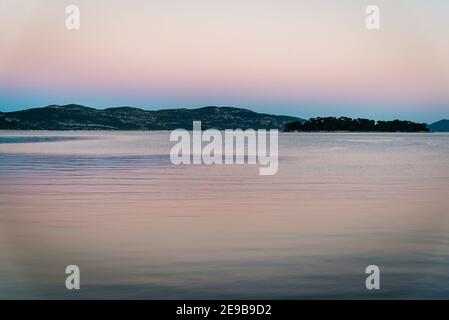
[(440, 126), (77, 117), (355, 125)]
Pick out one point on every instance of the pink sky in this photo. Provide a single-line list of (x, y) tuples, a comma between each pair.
[(298, 57)]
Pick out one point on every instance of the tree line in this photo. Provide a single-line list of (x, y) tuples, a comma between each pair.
[(355, 125)]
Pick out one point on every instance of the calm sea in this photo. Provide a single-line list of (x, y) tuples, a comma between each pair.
[(139, 227)]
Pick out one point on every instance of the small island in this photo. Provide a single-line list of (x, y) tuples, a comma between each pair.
[(345, 124)]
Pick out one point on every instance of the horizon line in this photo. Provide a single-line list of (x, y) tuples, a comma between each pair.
[(206, 106)]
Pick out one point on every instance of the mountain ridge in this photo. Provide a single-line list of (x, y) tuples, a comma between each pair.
[(439, 126), (79, 117)]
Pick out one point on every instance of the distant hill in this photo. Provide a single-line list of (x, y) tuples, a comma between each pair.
[(439, 126), (77, 117)]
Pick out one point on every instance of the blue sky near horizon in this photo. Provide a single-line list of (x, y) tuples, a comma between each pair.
[(300, 58)]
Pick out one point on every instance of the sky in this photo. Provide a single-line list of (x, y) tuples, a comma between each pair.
[(301, 58)]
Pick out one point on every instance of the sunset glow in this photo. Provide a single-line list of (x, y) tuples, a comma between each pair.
[(304, 58)]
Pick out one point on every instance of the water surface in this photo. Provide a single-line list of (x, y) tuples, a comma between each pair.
[(139, 227)]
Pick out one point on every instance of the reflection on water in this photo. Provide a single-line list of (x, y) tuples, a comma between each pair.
[(29, 139), (139, 227)]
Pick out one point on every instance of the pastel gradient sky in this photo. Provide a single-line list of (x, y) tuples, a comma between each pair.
[(303, 58)]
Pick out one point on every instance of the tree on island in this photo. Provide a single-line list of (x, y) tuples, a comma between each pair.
[(355, 125)]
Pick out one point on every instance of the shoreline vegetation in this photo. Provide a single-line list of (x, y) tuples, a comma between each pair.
[(75, 117), (345, 124)]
